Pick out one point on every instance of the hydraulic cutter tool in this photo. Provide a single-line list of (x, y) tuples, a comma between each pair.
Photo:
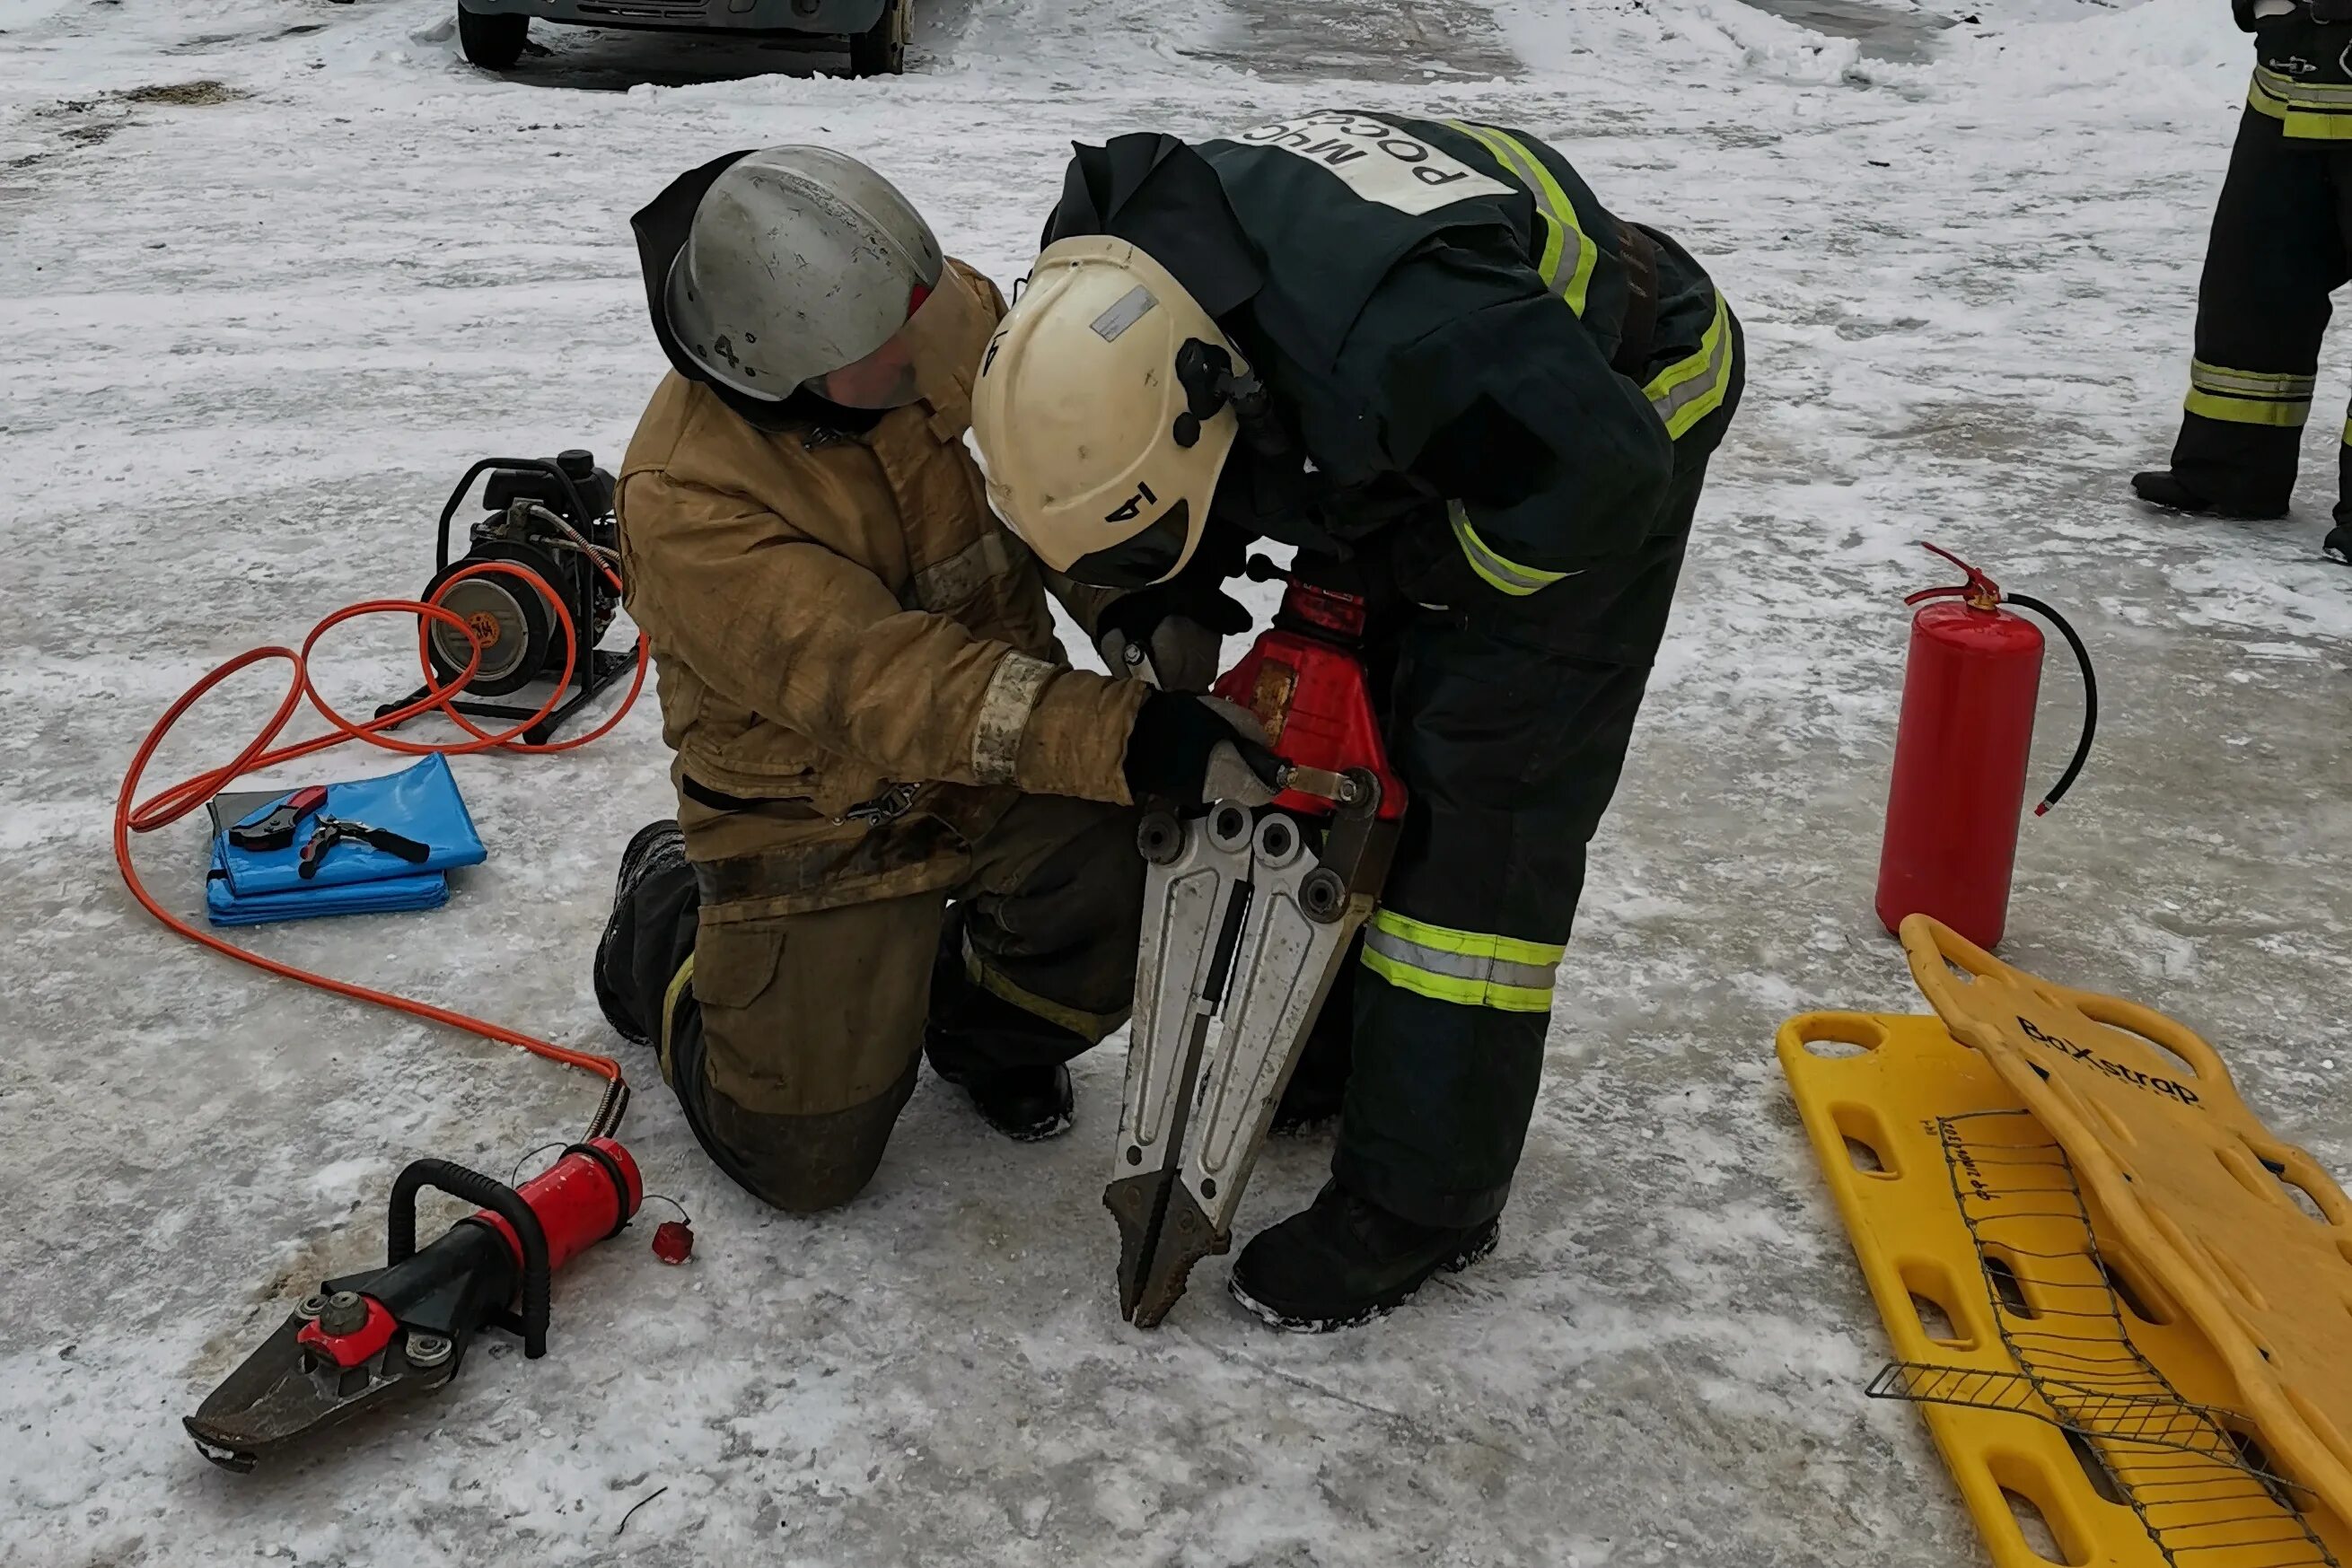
[(1249, 915)]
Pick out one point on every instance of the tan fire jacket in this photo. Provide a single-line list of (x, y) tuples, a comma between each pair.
[(833, 615)]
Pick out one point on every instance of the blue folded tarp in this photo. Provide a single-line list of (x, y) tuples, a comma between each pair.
[(223, 907), (248, 887)]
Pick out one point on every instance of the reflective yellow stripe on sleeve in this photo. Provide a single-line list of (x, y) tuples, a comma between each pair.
[(1500, 570), (1572, 283), (1683, 393), (1690, 389), (1468, 968)]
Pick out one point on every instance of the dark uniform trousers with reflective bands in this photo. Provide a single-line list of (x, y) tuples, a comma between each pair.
[(1510, 723), (1510, 726), (2281, 242)]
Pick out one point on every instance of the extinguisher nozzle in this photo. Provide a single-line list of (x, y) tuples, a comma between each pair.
[(2042, 810)]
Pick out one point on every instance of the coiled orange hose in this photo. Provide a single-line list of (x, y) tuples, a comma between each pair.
[(168, 806)]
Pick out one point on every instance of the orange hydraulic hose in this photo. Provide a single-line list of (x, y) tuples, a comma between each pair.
[(168, 806)]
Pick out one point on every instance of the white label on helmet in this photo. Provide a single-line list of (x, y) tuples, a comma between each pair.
[(1132, 308), (1379, 162)]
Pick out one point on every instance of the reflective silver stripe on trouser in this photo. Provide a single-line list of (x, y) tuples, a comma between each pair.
[(1482, 978), (1004, 709), (2231, 382), (963, 575)]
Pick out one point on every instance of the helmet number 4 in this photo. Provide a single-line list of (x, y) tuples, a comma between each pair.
[(1133, 508)]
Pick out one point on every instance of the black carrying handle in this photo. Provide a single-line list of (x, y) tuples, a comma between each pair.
[(448, 1176), (526, 464), (2090, 698)]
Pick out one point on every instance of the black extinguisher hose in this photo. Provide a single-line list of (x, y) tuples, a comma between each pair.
[(2090, 698)]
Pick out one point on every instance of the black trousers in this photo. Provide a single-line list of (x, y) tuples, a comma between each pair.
[(1510, 727), (2282, 242)]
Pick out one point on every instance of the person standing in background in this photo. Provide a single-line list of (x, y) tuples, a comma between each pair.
[(2281, 242)]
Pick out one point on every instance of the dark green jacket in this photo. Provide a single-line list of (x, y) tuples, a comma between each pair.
[(1453, 330)]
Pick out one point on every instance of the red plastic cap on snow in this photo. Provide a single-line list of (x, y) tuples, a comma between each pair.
[(673, 1241)]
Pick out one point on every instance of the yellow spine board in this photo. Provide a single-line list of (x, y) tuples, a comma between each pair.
[(2246, 1231), (1934, 1167)]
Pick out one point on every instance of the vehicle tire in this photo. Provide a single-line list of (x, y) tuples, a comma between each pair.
[(881, 50), (492, 41)]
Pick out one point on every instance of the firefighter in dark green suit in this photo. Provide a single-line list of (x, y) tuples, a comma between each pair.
[(1423, 353), (2281, 242)]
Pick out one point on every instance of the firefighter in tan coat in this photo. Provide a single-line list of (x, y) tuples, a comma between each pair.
[(905, 822)]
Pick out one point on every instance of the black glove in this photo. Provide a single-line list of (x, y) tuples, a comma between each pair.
[(1168, 751), (1197, 594)]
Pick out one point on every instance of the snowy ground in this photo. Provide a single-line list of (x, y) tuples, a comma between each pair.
[(252, 331)]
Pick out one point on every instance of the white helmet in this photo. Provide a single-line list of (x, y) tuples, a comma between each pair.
[(1103, 412), (801, 261)]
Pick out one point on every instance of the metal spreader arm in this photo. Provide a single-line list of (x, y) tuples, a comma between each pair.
[(1246, 924)]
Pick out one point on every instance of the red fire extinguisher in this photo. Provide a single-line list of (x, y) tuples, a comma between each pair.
[(1960, 754)]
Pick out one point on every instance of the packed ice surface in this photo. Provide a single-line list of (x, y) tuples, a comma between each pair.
[(252, 331)]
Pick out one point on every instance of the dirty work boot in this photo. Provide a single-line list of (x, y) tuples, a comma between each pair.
[(2165, 489), (1028, 1104), (658, 846), (2338, 546), (1344, 1261)]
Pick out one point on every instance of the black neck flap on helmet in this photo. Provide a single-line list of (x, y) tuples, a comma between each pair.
[(661, 226), (1162, 197)]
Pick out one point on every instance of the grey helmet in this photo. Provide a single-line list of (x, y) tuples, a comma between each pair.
[(800, 261)]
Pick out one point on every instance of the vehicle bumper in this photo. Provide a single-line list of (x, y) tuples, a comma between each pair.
[(715, 15)]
